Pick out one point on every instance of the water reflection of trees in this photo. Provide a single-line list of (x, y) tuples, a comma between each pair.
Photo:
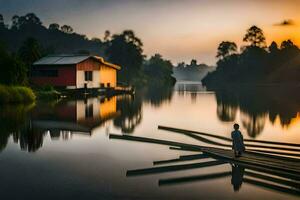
[(13, 118), (226, 106), (156, 95), (131, 106), (131, 113), (256, 104), (29, 125)]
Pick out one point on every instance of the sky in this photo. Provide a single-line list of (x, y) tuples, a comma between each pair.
[(180, 30)]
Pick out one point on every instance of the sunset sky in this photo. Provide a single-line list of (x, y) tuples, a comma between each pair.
[(179, 30)]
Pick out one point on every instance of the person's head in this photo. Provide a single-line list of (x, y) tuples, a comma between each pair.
[(236, 126)]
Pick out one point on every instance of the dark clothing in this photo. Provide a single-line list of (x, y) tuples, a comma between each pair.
[(237, 176), (237, 141)]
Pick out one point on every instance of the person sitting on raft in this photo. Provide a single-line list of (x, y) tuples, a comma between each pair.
[(237, 141)]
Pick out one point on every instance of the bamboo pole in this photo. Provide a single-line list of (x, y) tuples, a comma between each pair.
[(225, 138), (172, 168), (189, 179), (194, 135), (273, 179), (181, 158), (218, 154), (271, 186)]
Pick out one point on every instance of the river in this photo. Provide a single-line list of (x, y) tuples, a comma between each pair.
[(62, 150)]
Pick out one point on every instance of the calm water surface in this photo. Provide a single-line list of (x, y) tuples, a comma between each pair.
[(61, 150)]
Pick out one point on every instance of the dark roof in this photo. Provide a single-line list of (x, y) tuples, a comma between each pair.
[(71, 60), (61, 59)]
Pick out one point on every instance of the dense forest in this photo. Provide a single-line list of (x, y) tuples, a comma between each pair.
[(255, 64), (192, 71), (26, 40)]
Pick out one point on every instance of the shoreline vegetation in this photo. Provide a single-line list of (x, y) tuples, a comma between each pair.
[(255, 64)]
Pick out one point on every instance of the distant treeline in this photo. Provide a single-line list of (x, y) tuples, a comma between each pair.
[(26, 40), (256, 64), (192, 71)]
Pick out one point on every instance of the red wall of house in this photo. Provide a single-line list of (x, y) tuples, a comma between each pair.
[(66, 76)]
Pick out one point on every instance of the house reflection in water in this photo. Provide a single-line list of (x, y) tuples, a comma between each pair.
[(75, 117)]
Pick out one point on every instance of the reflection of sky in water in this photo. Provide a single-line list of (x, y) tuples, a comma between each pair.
[(73, 164)]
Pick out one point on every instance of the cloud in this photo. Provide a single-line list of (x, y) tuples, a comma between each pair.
[(286, 22)]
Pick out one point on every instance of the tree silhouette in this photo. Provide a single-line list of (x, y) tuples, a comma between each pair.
[(126, 50), (159, 69), (107, 36), (2, 25), (287, 44), (273, 48), (66, 29), (225, 49), (98, 40), (255, 37), (54, 26), (29, 19), (12, 69), (30, 51)]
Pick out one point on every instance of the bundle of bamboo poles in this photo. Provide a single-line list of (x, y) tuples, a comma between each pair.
[(275, 162)]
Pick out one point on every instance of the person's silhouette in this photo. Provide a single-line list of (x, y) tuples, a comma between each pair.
[(237, 175), (237, 141)]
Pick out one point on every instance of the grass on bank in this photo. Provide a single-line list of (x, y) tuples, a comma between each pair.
[(16, 94)]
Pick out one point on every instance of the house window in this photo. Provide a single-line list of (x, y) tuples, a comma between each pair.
[(102, 85), (108, 85), (88, 76), (45, 73), (89, 111)]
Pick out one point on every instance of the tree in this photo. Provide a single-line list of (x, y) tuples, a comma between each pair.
[(287, 44), (2, 25), (54, 26), (126, 50), (66, 29), (31, 18), (193, 63), (273, 48), (12, 69), (98, 40), (30, 51), (225, 49), (107, 36), (255, 37), (15, 22), (159, 69)]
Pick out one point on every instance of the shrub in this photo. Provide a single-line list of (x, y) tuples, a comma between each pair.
[(27, 94), (16, 94)]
